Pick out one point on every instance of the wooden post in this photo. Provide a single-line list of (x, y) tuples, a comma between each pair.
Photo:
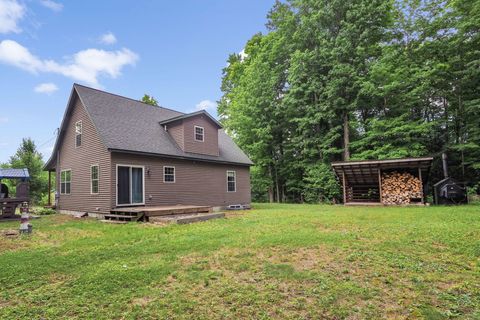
[(421, 184), (49, 188), (380, 184), (344, 188)]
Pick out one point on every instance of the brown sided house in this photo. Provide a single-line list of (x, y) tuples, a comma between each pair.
[(113, 152)]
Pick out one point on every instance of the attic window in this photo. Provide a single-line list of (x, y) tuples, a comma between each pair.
[(199, 133), (78, 134)]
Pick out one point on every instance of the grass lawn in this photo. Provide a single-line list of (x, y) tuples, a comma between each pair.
[(275, 261)]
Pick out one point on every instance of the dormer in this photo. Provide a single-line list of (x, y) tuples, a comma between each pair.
[(195, 132)]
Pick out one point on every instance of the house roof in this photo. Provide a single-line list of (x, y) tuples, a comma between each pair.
[(128, 125), (193, 114), (366, 171), (9, 173)]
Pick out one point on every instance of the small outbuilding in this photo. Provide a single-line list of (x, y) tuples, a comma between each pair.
[(387, 182), (8, 202)]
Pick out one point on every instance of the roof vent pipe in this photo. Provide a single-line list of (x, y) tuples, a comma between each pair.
[(445, 167)]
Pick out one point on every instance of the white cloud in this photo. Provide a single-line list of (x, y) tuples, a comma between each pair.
[(15, 54), (52, 5), (3, 119), (11, 12), (206, 105), (86, 65), (242, 55), (108, 38), (47, 88)]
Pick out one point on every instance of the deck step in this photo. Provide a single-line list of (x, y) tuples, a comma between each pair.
[(186, 218), (120, 217), (114, 221), (152, 211)]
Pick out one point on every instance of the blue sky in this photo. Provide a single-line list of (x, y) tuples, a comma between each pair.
[(173, 50)]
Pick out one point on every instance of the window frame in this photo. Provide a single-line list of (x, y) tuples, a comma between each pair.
[(195, 133), (234, 180), (77, 134), (64, 192), (130, 166), (174, 174), (97, 180)]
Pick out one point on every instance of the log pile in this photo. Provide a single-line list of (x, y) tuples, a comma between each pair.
[(400, 188)]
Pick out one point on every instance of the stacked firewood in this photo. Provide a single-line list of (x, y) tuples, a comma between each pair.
[(400, 188)]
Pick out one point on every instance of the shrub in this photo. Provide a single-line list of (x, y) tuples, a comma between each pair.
[(321, 184), (45, 211)]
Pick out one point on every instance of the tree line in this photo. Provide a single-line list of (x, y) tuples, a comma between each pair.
[(368, 79)]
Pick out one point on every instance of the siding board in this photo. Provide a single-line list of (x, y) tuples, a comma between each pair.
[(79, 160), (196, 183), (209, 145), (176, 132)]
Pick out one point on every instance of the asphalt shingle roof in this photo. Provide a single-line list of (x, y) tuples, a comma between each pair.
[(130, 125)]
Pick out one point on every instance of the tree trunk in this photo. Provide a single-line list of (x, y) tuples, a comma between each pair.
[(270, 189), (277, 186), (346, 137), (447, 133)]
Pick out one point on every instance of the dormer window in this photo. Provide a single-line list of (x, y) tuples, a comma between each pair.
[(199, 133), (195, 132), (78, 134)]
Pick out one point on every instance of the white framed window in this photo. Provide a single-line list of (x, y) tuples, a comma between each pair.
[(78, 134), (94, 179), (65, 181), (231, 181), (169, 174), (199, 133)]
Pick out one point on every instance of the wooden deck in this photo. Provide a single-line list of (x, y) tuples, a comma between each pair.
[(155, 211), (186, 218)]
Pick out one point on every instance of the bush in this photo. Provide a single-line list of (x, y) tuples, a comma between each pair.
[(321, 184), (44, 199), (45, 211)]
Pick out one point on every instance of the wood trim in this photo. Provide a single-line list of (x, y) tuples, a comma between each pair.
[(65, 194), (195, 133), (380, 184), (169, 156), (174, 174), (415, 161), (116, 185), (421, 184), (235, 180), (98, 179), (79, 122), (49, 188)]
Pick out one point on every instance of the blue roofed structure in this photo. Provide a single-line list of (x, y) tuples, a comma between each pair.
[(9, 173)]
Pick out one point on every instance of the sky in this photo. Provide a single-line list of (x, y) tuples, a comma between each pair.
[(172, 50)]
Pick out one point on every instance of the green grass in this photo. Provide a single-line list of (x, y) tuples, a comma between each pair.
[(275, 261)]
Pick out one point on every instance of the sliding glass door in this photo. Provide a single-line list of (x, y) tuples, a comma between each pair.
[(137, 185), (130, 185)]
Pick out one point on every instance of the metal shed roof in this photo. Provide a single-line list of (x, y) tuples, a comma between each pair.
[(366, 171), (14, 173)]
